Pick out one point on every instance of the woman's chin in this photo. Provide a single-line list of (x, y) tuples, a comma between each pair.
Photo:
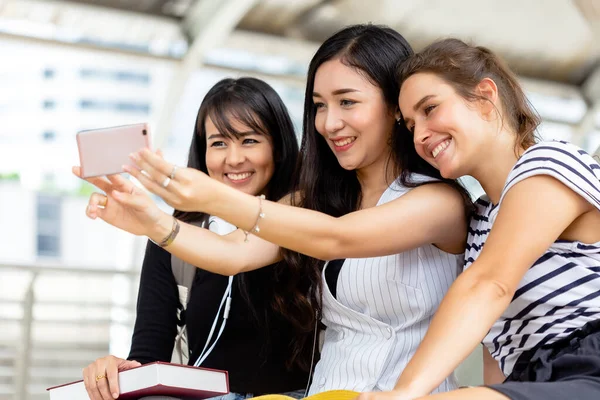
[(450, 173), (447, 168), (348, 166)]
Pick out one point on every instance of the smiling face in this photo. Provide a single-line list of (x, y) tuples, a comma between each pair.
[(351, 115), (245, 163), (449, 132)]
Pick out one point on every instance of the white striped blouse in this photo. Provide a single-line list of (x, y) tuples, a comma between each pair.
[(561, 291), (381, 311)]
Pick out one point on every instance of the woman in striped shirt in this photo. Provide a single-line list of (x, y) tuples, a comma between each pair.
[(531, 285)]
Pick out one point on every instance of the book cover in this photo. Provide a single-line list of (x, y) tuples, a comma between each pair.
[(156, 379)]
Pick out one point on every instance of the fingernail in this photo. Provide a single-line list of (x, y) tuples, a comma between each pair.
[(126, 168), (115, 395), (134, 156)]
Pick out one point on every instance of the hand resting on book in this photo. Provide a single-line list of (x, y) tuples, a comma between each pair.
[(156, 380), (101, 377)]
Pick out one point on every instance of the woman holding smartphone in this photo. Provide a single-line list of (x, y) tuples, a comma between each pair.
[(393, 229), (245, 139)]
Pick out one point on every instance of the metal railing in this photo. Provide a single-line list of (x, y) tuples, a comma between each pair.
[(37, 365), (32, 372)]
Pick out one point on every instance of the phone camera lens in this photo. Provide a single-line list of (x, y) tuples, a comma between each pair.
[(144, 132)]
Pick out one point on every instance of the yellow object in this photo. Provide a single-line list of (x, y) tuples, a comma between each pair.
[(329, 395)]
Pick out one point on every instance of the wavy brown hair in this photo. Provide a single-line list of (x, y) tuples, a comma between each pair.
[(463, 67)]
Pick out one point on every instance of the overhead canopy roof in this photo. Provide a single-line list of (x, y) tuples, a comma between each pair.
[(552, 40)]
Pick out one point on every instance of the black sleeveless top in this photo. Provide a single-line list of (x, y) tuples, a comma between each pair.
[(332, 273), (254, 353)]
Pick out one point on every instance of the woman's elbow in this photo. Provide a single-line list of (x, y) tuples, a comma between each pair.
[(331, 249), (493, 288), (500, 289), (232, 268)]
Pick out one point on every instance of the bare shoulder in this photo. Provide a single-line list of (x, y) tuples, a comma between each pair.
[(446, 212), (437, 193)]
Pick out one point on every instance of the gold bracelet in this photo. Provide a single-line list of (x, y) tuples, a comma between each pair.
[(260, 215), (171, 236)]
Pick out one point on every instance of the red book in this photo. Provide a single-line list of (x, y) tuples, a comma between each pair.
[(156, 379)]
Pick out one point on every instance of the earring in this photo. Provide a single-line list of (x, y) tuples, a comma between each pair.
[(399, 121)]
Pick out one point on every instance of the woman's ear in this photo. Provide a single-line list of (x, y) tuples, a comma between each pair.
[(488, 90)]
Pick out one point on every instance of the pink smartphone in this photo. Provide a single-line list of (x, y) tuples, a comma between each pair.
[(105, 151)]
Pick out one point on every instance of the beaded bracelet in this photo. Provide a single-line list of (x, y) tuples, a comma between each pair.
[(260, 215)]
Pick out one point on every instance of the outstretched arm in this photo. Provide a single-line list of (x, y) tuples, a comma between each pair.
[(432, 213), (128, 208)]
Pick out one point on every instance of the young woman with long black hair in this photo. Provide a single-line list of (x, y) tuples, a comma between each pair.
[(245, 139)]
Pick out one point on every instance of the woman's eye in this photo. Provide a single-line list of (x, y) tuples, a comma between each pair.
[(319, 105), (250, 141), (218, 144), (429, 109), (347, 103)]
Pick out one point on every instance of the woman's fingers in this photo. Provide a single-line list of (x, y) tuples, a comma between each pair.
[(153, 186), (109, 183), (150, 170), (102, 386), (145, 179), (100, 182), (153, 160), (131, 200), (158, 176), (88, 383), (101, 378), (112, 377), (124, 365), (96, 201), (92, 371), (120, 183)]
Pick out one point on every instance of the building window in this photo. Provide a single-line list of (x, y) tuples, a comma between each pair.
[(48, 225), (118, 106), (49, 136), (49, 73), (141, 78)]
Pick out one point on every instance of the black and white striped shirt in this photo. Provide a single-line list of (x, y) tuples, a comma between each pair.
[(561, 291)]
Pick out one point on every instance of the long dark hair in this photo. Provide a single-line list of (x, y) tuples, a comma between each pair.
[(256, 104), (375, 52)]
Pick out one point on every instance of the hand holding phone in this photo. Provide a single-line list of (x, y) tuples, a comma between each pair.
[(124, 206), (105, 151)]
